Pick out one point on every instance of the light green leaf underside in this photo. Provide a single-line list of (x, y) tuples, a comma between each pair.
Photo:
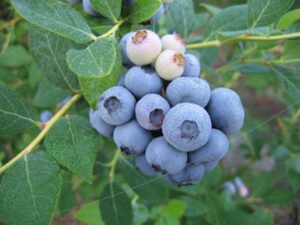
[(108, 8)]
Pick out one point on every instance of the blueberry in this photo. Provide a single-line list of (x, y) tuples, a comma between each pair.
[(99, 124), (209, 166), (45, 116), (169, 64), (88, 8), (188, 89), (143, 80), (187, 126), (230, 187), (142, 164), (117, 105), (128, 2), (173, 42), (226, 110), (214, 150), (158, 15), (123, 44), (188, 176), (192, 67), (150, 111), (121, 81), (143, 47), (131, 138), (163, 157)]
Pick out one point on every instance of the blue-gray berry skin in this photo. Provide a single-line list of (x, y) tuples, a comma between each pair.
[(226, 110), (210, 166), (143, 166), (88, 8), (192, 67), (187, 127), (188, 176), (99, 124), (214, 150), (165, 158), (128, 2), (188, 89), (117, 105), (131, 138), (122, 44), (158, 15), (151, 110), (45, 116), (142, 80), (121, 81)]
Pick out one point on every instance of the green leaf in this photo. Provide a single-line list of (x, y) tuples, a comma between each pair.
[(89, 214), (223, 35), (30, 190), (265, 12), (49, 95), (260, 217), (15, 115), (288, 19), (67, 200), (194, 207), (291, 52), (167, 221), (140, 214), (115, 206), (15, 56), (142, 10), (50, 50), (98, 67), (155, 193), (181, 17), (174, 209), (211, 8), (279, 196), (56, 17), (74, 144), (108, 8)]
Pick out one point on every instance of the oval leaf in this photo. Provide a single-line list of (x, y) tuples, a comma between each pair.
[(74, 144), (15, 115), (142, 10), (56, 17), (108, 8), (288, 19), (30, 190)]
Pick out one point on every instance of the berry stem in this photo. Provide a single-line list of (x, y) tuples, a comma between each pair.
[(113, 164), (244, 37), (42, 134), (10, 23), (112, 31)]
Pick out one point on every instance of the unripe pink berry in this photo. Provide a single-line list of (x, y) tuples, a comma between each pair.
[(173, 42), (170, 64), (143, 47)]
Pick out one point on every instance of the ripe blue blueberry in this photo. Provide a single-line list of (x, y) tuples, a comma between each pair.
[(173, 42), (192, 67), (88, 8), (99, 124), (187, 127), (163, 157), (123, 44), (143, 47), (116, 105), (188, 176), (131, 138), (169, 64), (188, 89), (45, 116), (121, 81), (209, 166), (143, 80), (230, 187), (159, 13), (151, 110), (214, 150), (128, 2), (143, 166), (226, 110)]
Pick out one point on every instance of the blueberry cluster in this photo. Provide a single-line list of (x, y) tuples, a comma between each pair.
[(163, 113)]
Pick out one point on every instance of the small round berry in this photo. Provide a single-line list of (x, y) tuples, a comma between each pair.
[(88, 8), (143, 80), (170, 64), (128, 2), (143, 47), (117, 105), (230, 187), (163, 157), (173, 42), (123, 44), (188, 89), (100, 125), (209, 166), (45, 116), (143, 166), (192, 67), (226, 110), (121, 81), (158, 15), (150, 111), (131, 138), (187, 127)]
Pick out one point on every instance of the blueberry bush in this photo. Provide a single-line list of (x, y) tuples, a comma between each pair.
[(202, 97)]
